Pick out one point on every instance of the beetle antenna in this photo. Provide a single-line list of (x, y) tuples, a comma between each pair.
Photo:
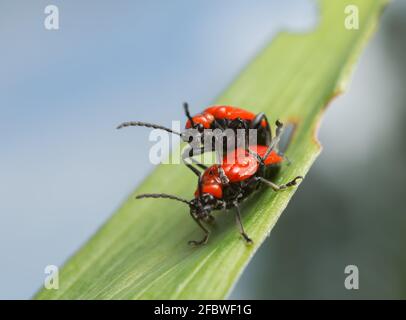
[(162, 195), (148, 125), (187, 112)]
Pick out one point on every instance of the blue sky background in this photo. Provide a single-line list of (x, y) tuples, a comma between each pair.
[(64, 168)]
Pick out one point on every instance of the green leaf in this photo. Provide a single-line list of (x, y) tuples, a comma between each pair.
[(142, 251)]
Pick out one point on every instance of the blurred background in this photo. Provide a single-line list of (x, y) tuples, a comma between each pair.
[(62, 165)]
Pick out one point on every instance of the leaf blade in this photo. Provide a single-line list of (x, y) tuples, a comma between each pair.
[(142, 252)]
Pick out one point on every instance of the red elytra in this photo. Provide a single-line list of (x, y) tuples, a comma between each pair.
[(207, 117), (238, 167)]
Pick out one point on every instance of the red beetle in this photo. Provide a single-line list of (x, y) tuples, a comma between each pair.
[(237, 166), (217, 117), (220, 117), (246, 170), (211, 117)]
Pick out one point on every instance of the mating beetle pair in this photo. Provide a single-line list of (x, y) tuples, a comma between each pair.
[(240, 172)]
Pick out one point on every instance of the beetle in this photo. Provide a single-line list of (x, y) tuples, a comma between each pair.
[(221, 117), (228, 117), (246, 172)]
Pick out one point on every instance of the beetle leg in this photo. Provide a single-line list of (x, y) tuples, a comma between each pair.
[(206, 233), (223, 178), (274, 142), (188, 154), (210, 219), (219, 160), (272, 145), (240, 225), (276, 187)]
